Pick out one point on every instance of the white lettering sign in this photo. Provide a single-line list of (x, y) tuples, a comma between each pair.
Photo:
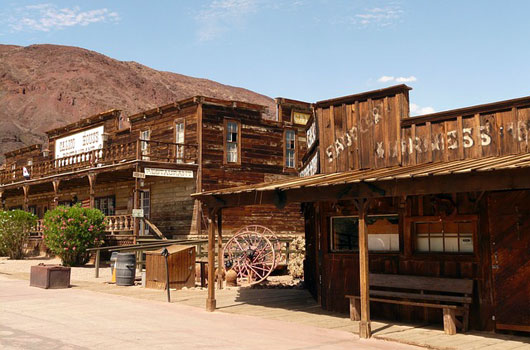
[(137, 213), (311, 168), (85, 141), (188, 174)]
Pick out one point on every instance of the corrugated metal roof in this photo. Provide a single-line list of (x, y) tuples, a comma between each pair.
[(392, 173)]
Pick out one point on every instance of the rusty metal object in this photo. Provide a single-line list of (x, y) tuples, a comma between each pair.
[(50, 276), (253, 253)]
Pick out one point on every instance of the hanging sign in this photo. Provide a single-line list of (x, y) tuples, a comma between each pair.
[(81, 142), (311, 167), (301, 118), (25, 173), (188, 174), (138, 175), (137, 213)]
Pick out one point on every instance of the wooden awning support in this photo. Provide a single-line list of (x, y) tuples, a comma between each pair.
[(365, 330), (92, 190), (26, 198), (210, 301)]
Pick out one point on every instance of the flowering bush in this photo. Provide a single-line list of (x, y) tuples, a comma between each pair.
[(15, 226), (70, 231)]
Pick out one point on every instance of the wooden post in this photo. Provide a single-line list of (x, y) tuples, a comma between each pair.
[(2, 200), (364, 325), (136, 203), (26, 199), (56, 184), (210, 302), (97, 262), (220, 257), (92, 184)]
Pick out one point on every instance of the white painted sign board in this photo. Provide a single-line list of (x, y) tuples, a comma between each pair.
[(81, 142), (187, 174), (137, 213), (138, 175)]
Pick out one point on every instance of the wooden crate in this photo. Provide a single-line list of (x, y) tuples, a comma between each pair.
[(181, 263)]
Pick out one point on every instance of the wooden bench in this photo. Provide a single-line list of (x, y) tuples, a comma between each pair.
[(451, 295)]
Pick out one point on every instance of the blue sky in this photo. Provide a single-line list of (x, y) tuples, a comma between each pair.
[(453, 53)]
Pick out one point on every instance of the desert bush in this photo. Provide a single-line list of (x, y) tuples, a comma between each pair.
[(296, 260), (70, 231), (15, 226)]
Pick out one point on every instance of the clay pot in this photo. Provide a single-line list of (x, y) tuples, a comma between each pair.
[(231, 278)]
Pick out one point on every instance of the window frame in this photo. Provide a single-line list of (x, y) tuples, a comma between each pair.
[(338, 251), (179, 148), (295, 160), (412, 244), (113, 197), (144, 151), (225, 142)]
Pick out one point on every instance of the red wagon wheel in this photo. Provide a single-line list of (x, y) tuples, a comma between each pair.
[(251, 254)]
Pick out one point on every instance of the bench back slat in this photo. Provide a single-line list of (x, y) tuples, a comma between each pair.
[(450, 285)]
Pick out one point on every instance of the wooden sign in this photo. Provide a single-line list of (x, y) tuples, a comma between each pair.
[(311, 135), (301, 118), (311, 167), (138, 175), (137, 213), (81, 142), (187, 174)]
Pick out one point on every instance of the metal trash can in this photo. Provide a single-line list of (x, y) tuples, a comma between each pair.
[(125, 269), (49, 276)]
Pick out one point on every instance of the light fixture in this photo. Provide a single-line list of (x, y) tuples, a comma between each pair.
[(45, 152), (105, 137)]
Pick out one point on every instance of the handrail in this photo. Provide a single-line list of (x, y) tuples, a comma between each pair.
[(114, 153)]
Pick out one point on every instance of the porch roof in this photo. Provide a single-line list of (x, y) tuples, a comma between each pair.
[(467, 175)]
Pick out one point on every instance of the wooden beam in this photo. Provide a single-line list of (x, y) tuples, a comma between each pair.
[(512, 179), (220, 257), (365, 330), (210, 301), (136, 201), (26, 198), (56, 184), (92, 190), (2, 200)]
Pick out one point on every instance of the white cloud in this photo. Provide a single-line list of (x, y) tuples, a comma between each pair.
[(379, 16), (220, 15), (47, 17), (389, 78), (418, 110), (385, 79), (406, 79)]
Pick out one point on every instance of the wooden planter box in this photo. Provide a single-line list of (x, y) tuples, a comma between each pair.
[(49, 276), (181, 261)]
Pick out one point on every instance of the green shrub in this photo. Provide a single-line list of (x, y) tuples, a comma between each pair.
[(69, 231), (15, 226)]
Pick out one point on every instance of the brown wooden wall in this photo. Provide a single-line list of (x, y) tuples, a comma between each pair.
[(482, 134), (261, 160), (361, 133), (340, 271)]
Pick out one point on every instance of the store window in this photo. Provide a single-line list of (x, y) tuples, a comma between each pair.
[(232, 141), (444, 236), (383, 233), (290, 149), (106, 205)]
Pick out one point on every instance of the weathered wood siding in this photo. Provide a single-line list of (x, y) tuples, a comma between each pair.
[(339, 272), (262, 159)]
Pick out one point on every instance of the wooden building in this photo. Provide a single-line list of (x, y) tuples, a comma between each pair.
[(425, 204), (149, 163)]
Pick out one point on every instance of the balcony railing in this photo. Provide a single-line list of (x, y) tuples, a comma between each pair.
[(113, 154), (114, 224)]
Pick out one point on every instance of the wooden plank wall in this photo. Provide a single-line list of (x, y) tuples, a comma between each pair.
[(478, 135), (361, 134), (340, 271), (261, 160)]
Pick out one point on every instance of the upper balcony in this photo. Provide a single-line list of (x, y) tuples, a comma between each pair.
[(148, 151)]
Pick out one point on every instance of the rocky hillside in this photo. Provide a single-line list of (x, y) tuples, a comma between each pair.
[(46, 86)]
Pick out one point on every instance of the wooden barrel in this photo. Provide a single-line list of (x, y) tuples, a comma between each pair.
[(125, 269)]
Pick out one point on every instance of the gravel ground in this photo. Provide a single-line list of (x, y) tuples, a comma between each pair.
[(22, 268)]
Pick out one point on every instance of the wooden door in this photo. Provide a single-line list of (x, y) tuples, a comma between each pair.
[(509, 216)]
